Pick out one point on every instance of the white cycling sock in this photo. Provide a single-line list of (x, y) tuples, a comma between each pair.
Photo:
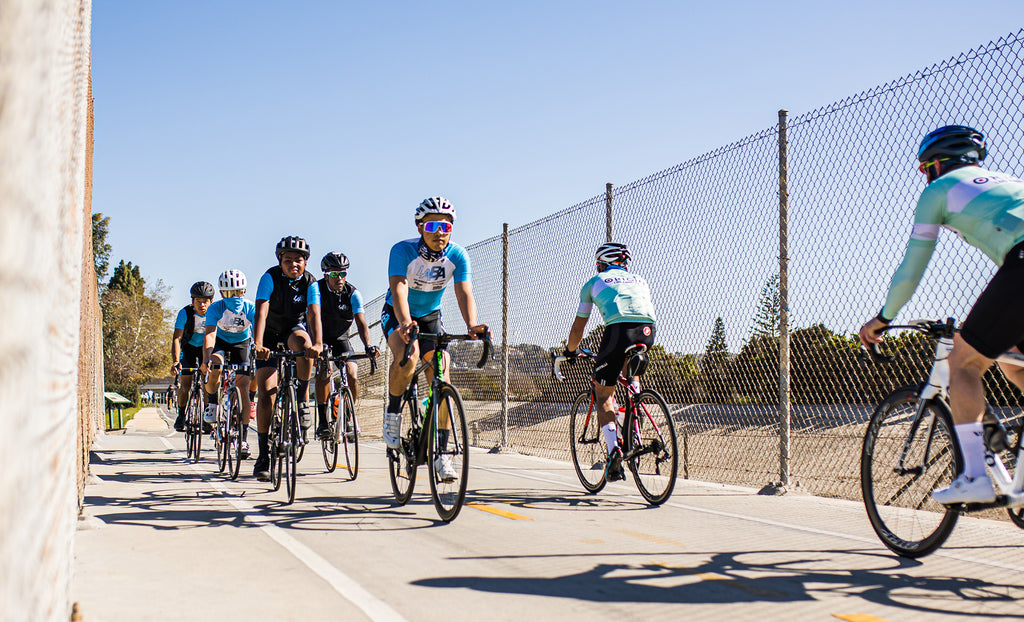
[(610, 438), (972, 446)]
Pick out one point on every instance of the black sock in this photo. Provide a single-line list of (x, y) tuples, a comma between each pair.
[(302, 391), (442, 439), (394, 403), (321, 413), (245, 433), (181, 411), (264, 443), (252, 396), (211, 398)]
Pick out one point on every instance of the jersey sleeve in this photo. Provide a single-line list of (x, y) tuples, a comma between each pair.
[(357, 302), (265, 287), (250, 313), (463, 271), (179, 322), (398, 260), (214, 313), (928, 218), (313, 294), (586, 300)]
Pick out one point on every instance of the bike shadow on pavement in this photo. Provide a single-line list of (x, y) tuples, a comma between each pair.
[(565, 499), (749, 577)]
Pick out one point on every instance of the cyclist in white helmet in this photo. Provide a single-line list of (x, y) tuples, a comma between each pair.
[(228, 338), (624, 299), (419, 270)]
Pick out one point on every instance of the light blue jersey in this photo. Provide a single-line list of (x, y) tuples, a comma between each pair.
[(266, 288), (233, 317), (199, 324), (427, 279), (620, 296)]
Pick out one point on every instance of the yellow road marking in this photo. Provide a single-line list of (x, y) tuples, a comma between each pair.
[(502, 513), (857, 617), (647, 537)]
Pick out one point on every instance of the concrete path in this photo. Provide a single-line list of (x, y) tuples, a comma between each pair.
[(163, 539)]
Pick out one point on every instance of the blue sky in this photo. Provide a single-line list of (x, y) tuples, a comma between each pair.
[(223, 126)]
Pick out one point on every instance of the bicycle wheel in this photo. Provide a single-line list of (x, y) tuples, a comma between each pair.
[(234, 437), (651, 449), (330, 446), (402, 461), (276, 448), (586, 444), (291, 443), (194, 425), (448, 486), (1017, 516), (898, 496), (221, 440), (350, 436)]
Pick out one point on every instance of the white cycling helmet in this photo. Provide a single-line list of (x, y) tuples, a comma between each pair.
[(231, 279), (434, 205), (613, 253)]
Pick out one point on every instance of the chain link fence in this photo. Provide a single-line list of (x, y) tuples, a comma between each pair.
[(706, 235)]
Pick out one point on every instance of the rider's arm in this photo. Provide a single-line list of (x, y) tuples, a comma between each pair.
[(209, 340), (262, 308), (576, 333), (928, 217), (467, 304), (363, 329), (176, 346), (314, 325), (582, 315)]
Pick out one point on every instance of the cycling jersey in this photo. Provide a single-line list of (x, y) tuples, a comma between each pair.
[(287, 299), (620, 296), (427, 279), (983, 207), (233, 317), (338, 308), (192, 335)]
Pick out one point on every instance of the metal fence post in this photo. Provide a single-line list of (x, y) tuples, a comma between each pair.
[(784, 413), (608, 212), (504, 335)]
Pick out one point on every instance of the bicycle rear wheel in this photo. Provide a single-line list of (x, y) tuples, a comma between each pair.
[(330, 446), (586, 444), (402, 461), (221, 438), (897, 496), (234, 437), (194, 423), (291, 444), (349, 434), (651, 448), (448, 489)]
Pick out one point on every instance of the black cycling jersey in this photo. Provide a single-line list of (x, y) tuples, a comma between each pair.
[(287, 304), (336, 313)]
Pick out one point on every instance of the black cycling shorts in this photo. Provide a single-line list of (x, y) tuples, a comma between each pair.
[(996, 322), (272, 339), (191, 356), (612, 355), (338, 345), (429, 323), (233, 353)]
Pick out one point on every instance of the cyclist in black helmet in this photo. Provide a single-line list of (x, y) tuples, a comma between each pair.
[(287, 312), (986, 209), (187, 342)]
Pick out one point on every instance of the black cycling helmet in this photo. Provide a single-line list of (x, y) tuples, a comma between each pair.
[(292, 243), (334, 261), (201, 289), (956, 143)]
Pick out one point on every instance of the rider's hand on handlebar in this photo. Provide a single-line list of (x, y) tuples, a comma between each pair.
[(204, 368), (313, 352), (262, 353), (404, 329), (478, 331), (373, 351), (869, 333), (176, 369), (570, 354)]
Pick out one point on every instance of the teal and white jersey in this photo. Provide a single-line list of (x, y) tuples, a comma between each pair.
[(233, 318), (985, 208), (620, 296)]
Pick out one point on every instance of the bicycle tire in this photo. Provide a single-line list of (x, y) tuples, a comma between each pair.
[(350, 436), (221, 439), (586, 444), (656, 467), (194, 425), (402, 460), (330, 446), (899, 505), (291, 443), (235, 431), (1017, 516), (448, 495), (276, 454)]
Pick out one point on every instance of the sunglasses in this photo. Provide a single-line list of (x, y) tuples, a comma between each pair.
[(435, 226), (926, 165), (231, 293), (337, 275)]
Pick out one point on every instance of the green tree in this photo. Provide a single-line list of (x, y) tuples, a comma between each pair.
[(714, 366), (136, 338), (100, 248), (127, 279), (766, 318)]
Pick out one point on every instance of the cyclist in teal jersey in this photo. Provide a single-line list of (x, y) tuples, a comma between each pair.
[(986, 209), (624, 299), (187, 343)]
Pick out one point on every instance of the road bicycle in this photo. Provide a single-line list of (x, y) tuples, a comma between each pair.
[(286, 436), (194, 408), (646, 433), (344, 429), (435, 435), (910, 449), (227, 431)]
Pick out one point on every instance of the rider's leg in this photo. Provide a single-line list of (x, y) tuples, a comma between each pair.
[(243, 382), (212, 382), (1014, 373), (266, 386), (399, 378), (353, 380), (322, 391), (299, 341)]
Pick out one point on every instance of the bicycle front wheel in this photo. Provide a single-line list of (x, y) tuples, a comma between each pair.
[(221, 440), (234, 437), (330, 446), (194, 423), (402, 460), (904, 458), (291, 444), (448, 453), (651, 448), (276, 448), (586, 443), (349, 434)]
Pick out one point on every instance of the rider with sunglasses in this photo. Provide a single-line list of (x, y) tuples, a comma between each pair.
[(340, 305), (986, 209), (418, 272)]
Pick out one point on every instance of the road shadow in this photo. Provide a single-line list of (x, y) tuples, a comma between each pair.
[(762, 576)]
